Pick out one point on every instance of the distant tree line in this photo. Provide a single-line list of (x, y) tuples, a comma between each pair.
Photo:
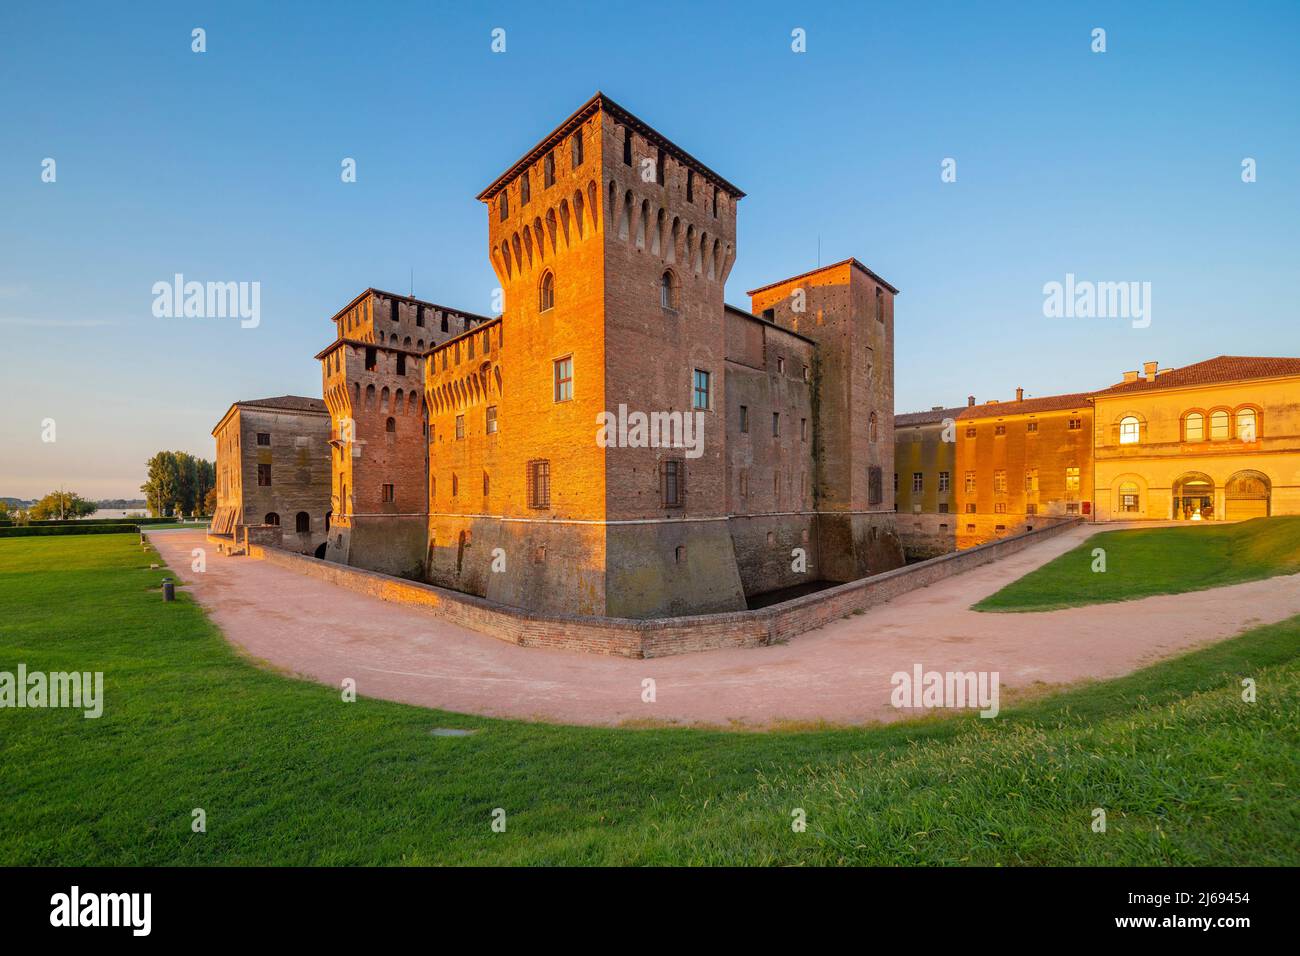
[(180, 484)]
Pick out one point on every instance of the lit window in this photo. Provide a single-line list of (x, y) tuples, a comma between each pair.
[(970, 482), (1194, 427), (1072, 479), (1129, 429), (1128, 497)]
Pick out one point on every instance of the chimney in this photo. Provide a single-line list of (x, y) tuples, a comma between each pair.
[(1130, 376), (1020, 394), (936, 408), (1149, 370), (970, 401)]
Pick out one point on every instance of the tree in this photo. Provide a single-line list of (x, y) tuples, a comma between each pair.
[(178, 483), (210, 502), (62, 505)]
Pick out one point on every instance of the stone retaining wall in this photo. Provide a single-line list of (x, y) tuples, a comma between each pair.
[(661, 637)]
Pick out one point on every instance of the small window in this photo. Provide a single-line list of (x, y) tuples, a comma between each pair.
[(1076, 424), (943, 510), (627, 146), (302, 523), (769, 315), (503, 204), (880, 304), (803, 429), (387, 493), (1072, 480), (744, 419), (1246, 424), (548, 170), (393, 310), (999, 429), (970, 482), (672, 484), (419, 316), (806, 377), (970, 431), (264, 476), (525, 189), (873, 428), (690, 185), (776, 424), (1000, 482), (660, 167), (263, 438), (401, 364), (1072, 508), (546, 293), (372, 358), (491, 424), (780, 365), (1000, 508), (564, 379), (539, 483), (715, 203), (667, 291), (272, 519), (1031, 509), (460, 427), (390, 426), (1031, 426), (918, 481), (455, 484), (701, 397), (575, 146), (970, 510), (1218, 426), (875, 490), (487, 484), (945, 481), (1129, 429)]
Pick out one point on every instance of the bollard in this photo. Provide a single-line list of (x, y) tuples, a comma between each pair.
[(169, 590)]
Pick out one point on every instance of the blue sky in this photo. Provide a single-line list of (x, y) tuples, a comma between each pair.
[(1115, 166)]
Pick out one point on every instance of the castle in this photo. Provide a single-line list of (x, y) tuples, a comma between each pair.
[(469, 452)]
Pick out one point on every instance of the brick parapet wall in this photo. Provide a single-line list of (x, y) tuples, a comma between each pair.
[(662, 637)]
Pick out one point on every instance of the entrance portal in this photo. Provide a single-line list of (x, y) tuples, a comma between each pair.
[(1246, 495), (1194, 498)]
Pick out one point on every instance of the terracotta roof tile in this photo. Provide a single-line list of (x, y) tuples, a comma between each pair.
[(1048, 403), (1224, 368)]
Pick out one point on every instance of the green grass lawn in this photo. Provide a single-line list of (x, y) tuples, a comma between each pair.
[(1149, 561), (289, 774)]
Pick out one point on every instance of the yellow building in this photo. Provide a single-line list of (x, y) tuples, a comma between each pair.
[(1217, 440)]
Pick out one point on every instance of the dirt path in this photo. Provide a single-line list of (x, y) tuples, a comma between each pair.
[(840, 673)]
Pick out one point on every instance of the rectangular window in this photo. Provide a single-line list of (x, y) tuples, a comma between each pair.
[(1000, 508), (401, 364), (455, 485), (1031, 509), (744, 419), (805, 373), (548, 170), (491, 426), (564, 379), (419, 316), (372, 359), (918, 481), (1031, 480), (970, 431), (539, 483), (503, 204), (880, 304), (970, 510), (660, 167), (875, 482), (627, 146), (715, 202), (460, 427), (387, 493), (999, 429), (803, 429), (1000, 482), (943, 510), (970, 482), (486, 484), (776, 424), (945, 481), (1072, 507), (263, 438), (690, 185), (264, 476), (895, 484), (672, 483), (577, 149), (1031, 426), (701, 397), (525, 189), (1072, 479), (780, 365), (1076, 424)]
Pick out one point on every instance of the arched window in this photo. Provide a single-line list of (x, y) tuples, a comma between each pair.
[(1218, 426), (546, 293), (1246, 424), (1128, 496), (1129, 430), (390, 426), (272, 519), (1194, 427), (667, 291), (302, 523), (872, 428)]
